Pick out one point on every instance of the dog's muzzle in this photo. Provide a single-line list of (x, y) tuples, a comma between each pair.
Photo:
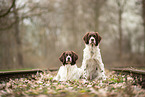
[(92, 40), (68, 59)]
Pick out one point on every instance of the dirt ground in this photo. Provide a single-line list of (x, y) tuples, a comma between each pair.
[(43, 85)]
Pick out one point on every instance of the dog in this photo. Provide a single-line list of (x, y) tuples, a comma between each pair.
[(92, 62), (69, 69)]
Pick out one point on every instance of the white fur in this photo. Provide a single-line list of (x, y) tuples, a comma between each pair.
[(68, 72), (92, 60)]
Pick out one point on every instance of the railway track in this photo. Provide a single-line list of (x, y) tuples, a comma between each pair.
[(138, 75), (7, 75)]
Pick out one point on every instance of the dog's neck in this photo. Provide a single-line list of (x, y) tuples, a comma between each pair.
[(92, 48)]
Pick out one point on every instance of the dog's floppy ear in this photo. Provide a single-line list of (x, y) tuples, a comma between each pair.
[(85, 38), (98, 38), (74, 58), (62, 58)]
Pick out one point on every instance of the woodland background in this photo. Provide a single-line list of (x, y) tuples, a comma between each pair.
[(34, 33)]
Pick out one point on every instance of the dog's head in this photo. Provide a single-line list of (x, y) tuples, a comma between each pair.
[(92, 38), (68, 57)]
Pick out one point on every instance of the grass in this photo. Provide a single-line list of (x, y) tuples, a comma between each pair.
[(43, 84)]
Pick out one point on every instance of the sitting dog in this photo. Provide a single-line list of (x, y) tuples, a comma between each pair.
[(69, 69), (92, 62)]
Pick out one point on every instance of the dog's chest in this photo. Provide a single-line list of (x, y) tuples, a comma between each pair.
[(91, 62), (70, 71), (92, 51), (91, 55)]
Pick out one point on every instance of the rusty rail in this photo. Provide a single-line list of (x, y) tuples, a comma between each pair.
[(7, 75), (138, 75)]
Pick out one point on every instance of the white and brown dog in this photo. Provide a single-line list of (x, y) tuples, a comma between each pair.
[(92, 62), (69, 69)]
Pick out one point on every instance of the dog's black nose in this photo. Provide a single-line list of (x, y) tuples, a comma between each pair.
[(92, 39), (68, 58)]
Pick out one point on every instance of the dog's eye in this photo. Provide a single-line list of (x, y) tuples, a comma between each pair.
[(70, 54), (66, 54), (93, 35)]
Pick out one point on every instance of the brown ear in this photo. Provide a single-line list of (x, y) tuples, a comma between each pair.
[(98, 38), (74, 58), (62, 58), (85, 38)]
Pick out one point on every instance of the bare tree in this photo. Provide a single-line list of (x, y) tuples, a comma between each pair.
[(9, 10), (97, 5), (121, 4), (36, 32), (17, 37), (143, 16)]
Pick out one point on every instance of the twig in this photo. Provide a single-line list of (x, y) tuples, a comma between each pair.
[(8, 11)]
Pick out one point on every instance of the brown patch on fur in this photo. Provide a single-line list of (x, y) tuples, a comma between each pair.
[(85, 38), (74, 58), (98, 38), (62, 58)]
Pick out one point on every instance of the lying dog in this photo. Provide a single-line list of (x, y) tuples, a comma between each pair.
[(69, 69), (92, 62)]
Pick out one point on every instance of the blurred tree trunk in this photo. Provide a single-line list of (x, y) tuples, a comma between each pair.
[(143, 16), (71, 16), (120, 5), (97, 14), (97, 6), (74, 25), (17, 37), (120, 32), (129, 44)]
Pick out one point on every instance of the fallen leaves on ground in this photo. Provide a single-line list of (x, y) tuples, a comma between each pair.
[(42, 84)]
